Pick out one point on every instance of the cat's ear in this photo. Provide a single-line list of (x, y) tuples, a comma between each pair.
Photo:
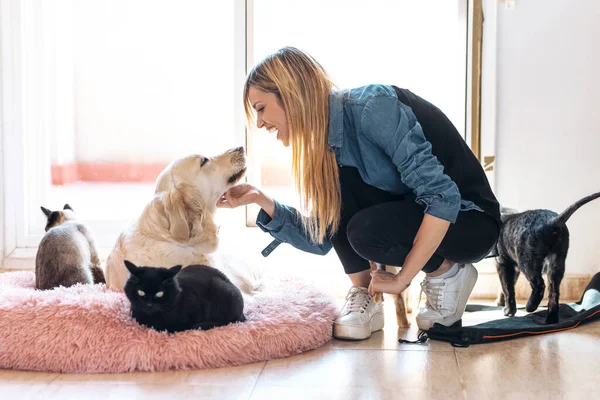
[(46, 211), (131, 267), (174, 271), (68, 207)]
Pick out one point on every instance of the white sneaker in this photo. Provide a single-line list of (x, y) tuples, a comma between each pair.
[(446, 298), (359, 317)]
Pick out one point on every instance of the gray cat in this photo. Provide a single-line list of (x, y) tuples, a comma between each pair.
[(67, 254)]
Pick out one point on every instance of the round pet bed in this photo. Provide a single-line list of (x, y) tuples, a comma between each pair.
[(88, 329)]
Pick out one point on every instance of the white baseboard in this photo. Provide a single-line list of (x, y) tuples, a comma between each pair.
[(488, 284), (23, 259)]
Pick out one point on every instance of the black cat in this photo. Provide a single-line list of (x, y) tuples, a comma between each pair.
[(176, 299), (534, 242)]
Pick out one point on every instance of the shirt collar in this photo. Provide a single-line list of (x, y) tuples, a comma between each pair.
[(336, 119)]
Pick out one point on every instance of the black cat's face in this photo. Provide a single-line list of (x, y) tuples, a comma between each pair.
[(151, 288)]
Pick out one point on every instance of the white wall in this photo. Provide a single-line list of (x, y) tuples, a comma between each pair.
[(2, 190), (548, 118), (153, 79)]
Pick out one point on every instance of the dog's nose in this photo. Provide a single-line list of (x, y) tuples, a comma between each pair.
[(239, 150)]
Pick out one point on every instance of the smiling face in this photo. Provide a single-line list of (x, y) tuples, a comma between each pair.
[(270, 113)]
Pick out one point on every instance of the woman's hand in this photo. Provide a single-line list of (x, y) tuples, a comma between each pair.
[(386, 282), (244, 194), (239, 195)]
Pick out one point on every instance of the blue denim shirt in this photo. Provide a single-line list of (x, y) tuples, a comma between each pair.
[(370, 129)]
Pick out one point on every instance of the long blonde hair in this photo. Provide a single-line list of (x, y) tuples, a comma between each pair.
[(302, 87)]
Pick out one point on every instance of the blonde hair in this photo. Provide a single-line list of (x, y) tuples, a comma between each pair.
[(302, 87)]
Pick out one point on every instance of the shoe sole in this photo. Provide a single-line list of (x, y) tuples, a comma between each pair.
[(359, 332), (450, 320)]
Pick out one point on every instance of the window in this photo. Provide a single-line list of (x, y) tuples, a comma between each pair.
[(412, 44), (101, 94), (113, 90)]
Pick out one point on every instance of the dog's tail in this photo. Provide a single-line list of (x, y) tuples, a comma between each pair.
[(246, 276), (248, 283), (565, 215)]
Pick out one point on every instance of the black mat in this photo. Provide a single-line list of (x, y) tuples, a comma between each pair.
[(570, 317)]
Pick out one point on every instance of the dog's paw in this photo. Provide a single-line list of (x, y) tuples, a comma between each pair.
[(534, 301), (403, 325), (510, 311), (531, 307), (402, 321)]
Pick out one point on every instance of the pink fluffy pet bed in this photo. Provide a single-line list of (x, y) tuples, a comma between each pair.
[(87, 329)]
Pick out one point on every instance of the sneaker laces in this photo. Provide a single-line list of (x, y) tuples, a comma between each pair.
[(433, 294), (357, 300)]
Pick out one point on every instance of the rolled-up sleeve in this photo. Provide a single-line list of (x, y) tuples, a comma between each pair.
[(393, 127), (286, 227)]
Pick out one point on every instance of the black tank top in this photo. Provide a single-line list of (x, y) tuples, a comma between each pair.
[(459, 162)]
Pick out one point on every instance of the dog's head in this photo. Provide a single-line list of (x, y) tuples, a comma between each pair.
[(211, 176), (190, 187), (55, 218)]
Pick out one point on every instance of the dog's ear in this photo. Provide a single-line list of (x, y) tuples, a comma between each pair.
[(177, 215), (133, 269), (163, 181), (46, 211), (68, 207)]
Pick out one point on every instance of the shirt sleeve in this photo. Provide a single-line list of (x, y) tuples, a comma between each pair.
[(287, 227)]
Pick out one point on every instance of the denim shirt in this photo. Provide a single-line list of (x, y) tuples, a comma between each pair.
[(371, 130)]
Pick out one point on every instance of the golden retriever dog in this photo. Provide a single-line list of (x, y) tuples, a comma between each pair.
[(177, 226)]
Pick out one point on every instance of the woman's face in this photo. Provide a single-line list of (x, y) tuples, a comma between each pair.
[(269, 114)]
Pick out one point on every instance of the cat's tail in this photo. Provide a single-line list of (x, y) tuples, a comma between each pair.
[(563, 217)]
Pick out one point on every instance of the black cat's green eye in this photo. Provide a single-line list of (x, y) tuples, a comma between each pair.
[(141, 293)]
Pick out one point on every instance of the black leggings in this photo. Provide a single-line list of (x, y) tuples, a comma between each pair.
[(380, 226)]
